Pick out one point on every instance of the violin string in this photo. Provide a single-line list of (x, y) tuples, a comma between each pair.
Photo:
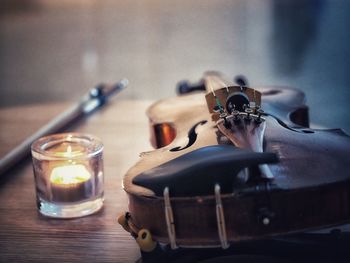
[(254, 97), (220, 81), (211, 87), (210, 84)]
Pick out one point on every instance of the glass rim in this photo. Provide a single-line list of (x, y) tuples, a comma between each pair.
[(93, 145)]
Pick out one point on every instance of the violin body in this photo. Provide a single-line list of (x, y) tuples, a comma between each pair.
[(216, 178)]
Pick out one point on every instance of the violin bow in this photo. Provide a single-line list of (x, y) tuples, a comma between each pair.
[(93, 100)]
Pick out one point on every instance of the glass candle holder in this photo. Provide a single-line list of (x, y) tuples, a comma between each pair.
[(68, 172)]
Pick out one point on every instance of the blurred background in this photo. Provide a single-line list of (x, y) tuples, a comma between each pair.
[(55, 50)]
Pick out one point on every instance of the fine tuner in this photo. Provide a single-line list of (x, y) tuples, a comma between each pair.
[(249, 114)]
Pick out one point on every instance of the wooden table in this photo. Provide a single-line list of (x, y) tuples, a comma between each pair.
[(26, 235)]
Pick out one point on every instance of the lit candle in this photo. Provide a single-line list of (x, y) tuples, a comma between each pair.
[(68, 170), (70, 182)]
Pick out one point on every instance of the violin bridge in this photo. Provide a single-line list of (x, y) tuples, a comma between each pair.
[(231, 98)]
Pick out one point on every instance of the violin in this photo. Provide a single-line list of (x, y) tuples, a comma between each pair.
[(236, 163)]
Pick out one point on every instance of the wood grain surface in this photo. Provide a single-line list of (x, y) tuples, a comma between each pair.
[(26, 235)]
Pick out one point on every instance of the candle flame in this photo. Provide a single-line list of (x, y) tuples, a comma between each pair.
[(69, 174), (68, 152)]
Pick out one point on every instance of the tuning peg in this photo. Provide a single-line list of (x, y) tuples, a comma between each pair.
[(145, 241), (227, 124), (259, 112), (235, 114), (241, 80), (248, 111), (184, 87)]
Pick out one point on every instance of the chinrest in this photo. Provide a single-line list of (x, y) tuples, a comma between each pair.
[(197, 172)]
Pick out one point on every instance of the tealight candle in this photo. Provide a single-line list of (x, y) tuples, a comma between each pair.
[(68, 170), (70, 183)]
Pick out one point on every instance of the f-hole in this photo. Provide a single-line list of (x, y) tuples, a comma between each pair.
[(192, 137)]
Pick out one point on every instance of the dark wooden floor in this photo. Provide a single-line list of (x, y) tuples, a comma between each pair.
[(54, 50)]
